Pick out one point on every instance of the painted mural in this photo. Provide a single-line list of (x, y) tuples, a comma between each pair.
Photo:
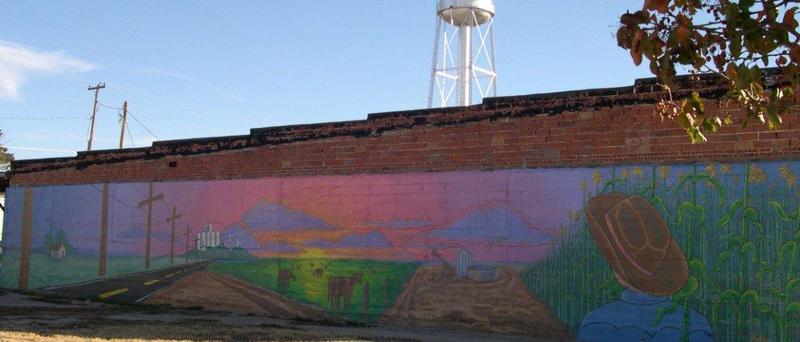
[(665, 252)]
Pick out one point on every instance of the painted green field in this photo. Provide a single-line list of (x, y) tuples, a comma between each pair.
[(45, 271), (384, 279)]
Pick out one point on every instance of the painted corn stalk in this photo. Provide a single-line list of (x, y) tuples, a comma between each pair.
[(739, 226)]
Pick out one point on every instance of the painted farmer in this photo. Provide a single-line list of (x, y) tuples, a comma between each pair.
[(634, 239)]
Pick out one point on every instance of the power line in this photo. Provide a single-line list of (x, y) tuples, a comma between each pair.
[(141, 124), (114, 197), (42, 117), (130, 136), (109, 106)]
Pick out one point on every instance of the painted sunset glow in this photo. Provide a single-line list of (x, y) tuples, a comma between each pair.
[(502, 216)]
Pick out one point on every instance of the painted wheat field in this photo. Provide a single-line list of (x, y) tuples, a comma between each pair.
[(739, 226)]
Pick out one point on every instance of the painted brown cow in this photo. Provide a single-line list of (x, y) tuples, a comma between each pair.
[(340, 288)]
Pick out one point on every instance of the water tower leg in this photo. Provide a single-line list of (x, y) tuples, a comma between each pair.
[(435, 60), (464, 65)]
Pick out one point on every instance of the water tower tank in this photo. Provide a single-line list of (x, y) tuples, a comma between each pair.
[(463, 54), (459, 12)]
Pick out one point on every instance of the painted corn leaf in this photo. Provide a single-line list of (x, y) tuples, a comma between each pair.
[(730, 296), (792, 284), (793, 307), (663, 312), (749, 297), (701, 212), (724, 221), (777, 293), (692, 284), (717, 186), (750, 247), (697, 266), (751, 214), (785, 249), (686, 208), (788, 217), (765, 270)]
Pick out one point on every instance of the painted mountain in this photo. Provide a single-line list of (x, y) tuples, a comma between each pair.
[(499, 226), (255, 230), (492, 234)]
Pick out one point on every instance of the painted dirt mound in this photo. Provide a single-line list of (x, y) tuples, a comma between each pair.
[(217, 292), (501, 306)]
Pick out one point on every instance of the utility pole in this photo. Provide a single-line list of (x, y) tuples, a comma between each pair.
[(175, 216), (124, 122), (186, 254), (94, 112), (102, 251), (149, 203)]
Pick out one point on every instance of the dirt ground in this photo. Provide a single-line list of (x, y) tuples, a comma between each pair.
[(501, 306), (37, 318), (217, 292)]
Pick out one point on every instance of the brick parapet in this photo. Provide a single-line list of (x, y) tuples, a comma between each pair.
[(570, 129)]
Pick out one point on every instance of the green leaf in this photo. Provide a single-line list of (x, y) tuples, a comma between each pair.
[(749, 297), (692, 284), (685, 209), (793, 307), (725, 255), (777, 293), (786, 248), (788, 217), (735, 241), (697, 266), (701, 212), (763, 271), (751, 214), (730, 296), (792, 284), (724, 221), (663, 312), (718, 187), (749, 247)]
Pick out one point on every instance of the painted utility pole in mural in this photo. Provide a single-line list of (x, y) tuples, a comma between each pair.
[(149, 203), (101, 271), (25, 241), (186, 253), (175, 216)]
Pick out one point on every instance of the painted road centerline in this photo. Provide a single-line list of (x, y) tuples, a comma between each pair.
[(105, 295), (170, 275), (148, 283)]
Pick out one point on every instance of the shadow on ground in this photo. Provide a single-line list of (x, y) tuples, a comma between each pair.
[(36, 317)]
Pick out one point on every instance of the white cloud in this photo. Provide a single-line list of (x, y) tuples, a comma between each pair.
[(18, 62), (219, 91)]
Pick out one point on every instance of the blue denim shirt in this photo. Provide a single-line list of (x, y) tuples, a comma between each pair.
[(631, 318)]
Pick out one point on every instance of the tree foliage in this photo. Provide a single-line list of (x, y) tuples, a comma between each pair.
[(5, 156), (734, 40)]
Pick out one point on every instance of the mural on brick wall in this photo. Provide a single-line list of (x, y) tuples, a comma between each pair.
[(706, 251)]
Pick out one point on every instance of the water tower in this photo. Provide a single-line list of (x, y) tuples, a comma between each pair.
[(463, 53)]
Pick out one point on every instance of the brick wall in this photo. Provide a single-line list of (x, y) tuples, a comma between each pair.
[(578, 128)]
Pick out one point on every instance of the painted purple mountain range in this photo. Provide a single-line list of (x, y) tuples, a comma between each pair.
[(499, 224)]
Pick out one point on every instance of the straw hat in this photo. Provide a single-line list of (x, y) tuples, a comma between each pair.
[(636, 242)]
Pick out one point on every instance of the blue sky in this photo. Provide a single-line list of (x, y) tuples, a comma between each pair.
[(201, 68)]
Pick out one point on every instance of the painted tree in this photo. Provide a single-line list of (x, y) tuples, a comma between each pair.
[(733, 39)]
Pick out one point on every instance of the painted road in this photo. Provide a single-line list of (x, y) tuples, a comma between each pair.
[(130, 288)]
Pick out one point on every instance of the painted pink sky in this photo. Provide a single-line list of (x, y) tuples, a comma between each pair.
[(408, 209)]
